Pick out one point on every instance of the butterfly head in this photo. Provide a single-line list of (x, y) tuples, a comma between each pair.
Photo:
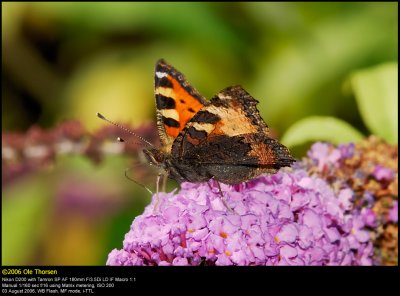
[(154, 156)]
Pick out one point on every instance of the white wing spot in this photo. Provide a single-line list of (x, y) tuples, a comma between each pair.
[(161, 74), (207, 127)]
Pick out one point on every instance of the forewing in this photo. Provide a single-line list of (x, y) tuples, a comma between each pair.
[(176, 101)]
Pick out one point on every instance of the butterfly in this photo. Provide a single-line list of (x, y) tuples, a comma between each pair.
[(224, 139)]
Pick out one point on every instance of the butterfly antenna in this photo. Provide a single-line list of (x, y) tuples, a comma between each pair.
[(124, 129), (121, 140)]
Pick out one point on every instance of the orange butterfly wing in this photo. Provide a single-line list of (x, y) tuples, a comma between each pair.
[(177, 102)]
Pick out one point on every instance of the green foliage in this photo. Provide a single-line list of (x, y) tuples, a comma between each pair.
[(23, 218), (317, 128), (303, 66), (376, 92), (90, 57)]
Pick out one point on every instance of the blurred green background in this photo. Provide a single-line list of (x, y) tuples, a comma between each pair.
[(70, 60)]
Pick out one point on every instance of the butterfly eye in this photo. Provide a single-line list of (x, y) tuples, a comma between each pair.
[(154, 156)]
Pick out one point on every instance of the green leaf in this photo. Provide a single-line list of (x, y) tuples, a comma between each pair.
[(376, 92), (320, 128)]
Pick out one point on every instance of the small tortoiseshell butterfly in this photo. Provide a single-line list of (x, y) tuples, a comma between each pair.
[(224, 138)]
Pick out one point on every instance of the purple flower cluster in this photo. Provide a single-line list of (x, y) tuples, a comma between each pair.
[(369, 168), (394, 212), (288, 218), (326, 156), (381, 173)]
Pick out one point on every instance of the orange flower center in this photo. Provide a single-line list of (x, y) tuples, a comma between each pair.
[(223, 234)]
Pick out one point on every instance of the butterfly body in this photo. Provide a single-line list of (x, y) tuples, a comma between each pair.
[(224, 138)]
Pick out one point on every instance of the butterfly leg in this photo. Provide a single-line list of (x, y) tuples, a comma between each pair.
[(223, 198), (136, 182), (164, 181), (159, 176)]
